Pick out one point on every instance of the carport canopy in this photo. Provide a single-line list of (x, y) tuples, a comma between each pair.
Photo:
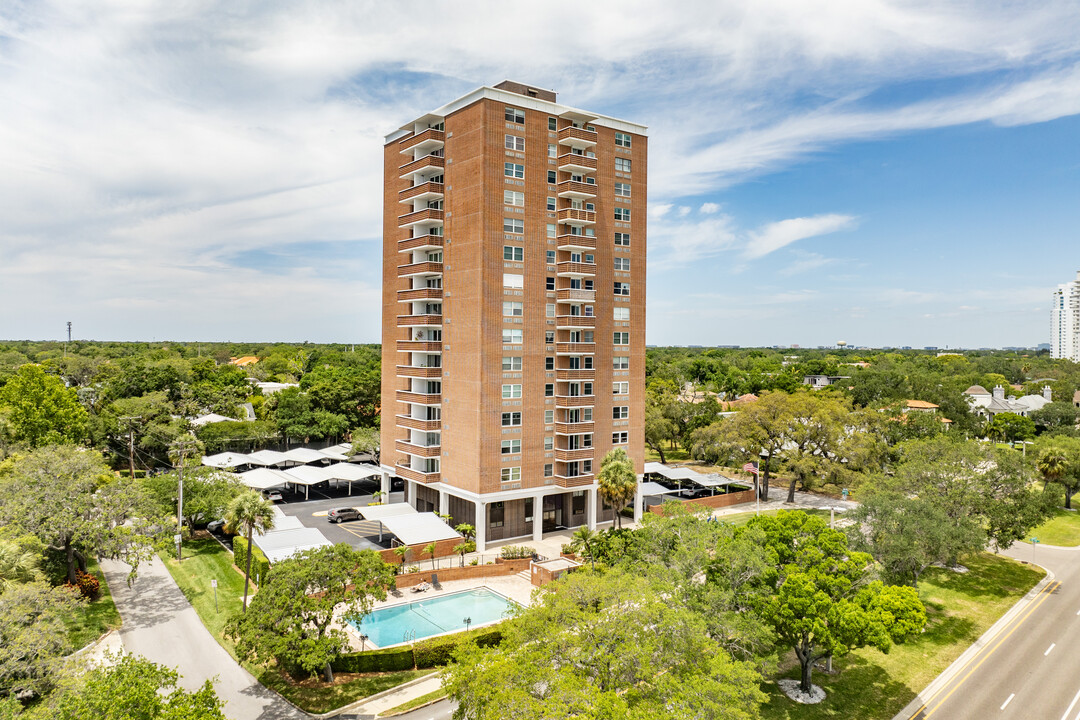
[(267, 457), (263, 478), (226, 460), (351, 471), (379, 512), (419, 529), (286, 543), (653, 488), (304, 455)]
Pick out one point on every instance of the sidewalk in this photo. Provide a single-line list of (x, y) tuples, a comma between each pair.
[(389, 699)]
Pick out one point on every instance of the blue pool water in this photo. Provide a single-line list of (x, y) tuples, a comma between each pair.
[(433, 616)]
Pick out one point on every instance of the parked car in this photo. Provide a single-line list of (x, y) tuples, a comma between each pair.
[(215, 526), (272, 495), (341, 514)]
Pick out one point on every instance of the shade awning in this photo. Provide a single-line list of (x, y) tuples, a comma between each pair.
[(286, 543), (378, 512), (304, 455), (419, 529), (267, 457), (226, 460), (351, 471), (307, 474), (263, 478), (651, 488)]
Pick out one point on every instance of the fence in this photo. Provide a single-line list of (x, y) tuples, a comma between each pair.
[(497, 567), (713, 501)]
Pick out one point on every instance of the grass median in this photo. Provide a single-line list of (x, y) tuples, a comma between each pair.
[(96, 618), (206, 560), (875, 686)]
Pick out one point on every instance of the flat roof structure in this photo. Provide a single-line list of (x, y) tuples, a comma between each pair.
[(283, 544), (419, 528)]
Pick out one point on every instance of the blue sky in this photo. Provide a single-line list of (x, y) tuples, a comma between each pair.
[(878, 172)]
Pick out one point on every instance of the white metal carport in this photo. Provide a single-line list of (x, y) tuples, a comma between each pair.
[(263, 478), (419, 528), (351, 472), (226, 460), (279, 545)]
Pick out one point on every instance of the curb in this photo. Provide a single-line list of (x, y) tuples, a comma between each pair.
[(949, 674), (418, 707), (356, 706)]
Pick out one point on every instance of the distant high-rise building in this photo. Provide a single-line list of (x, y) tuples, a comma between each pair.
[(1065, 321), (513, 251)]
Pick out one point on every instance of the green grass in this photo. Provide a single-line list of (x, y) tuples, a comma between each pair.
[(206, 560), (875, 686), (415, 703), (94, 619), (670, 455), (1062, 529)]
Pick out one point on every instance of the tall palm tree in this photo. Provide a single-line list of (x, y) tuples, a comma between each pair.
[(617, 481), (1053, 463), (247, 513), (430, 550), (16, 564), (402, 551)]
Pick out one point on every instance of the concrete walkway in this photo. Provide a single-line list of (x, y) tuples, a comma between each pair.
[(161, 625)]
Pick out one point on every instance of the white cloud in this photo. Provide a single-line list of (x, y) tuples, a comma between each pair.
[(659, 210), (684, 210), (709, 208), (780, 234)]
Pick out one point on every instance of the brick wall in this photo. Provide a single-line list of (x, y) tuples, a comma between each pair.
[(713, 501), (417, 556), (499, 569)]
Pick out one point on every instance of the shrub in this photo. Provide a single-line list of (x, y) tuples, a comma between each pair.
[(474, 561), (388, 660), (260, 566), (87, 584), (439, 651), (515, 552)]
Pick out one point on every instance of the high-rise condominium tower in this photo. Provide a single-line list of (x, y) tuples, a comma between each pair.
[(513, 309), (1065, 321)]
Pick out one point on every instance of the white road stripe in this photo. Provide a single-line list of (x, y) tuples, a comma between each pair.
[(1052, 646), (1071, 706), (1007, 701)]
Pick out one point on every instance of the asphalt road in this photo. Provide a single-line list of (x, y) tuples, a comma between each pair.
[(361, 534), (1030, 670), (442, 710)]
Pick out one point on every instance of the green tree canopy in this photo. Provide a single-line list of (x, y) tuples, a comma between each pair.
[(247, 513), (34, 636), (40, 410), (617, 482)]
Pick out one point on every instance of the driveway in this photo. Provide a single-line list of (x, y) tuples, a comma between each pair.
[(361, 534), (161, 625)]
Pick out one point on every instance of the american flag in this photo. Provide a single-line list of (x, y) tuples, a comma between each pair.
[(750, 468)]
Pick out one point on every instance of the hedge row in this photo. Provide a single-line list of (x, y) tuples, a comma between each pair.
[(260, 566), (422, 655)]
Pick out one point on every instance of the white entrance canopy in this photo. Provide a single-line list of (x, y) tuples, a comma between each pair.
[(286, 543), (651, 488), (267, 457), (226, 460), (380, 512), (304, 455), (419, 529), (263, 478)]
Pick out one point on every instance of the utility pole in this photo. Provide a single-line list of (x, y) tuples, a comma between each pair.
[(69, 338), (181, 448), (131, 442)]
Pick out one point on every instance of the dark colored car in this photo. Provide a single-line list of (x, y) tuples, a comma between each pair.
[(341, 514)]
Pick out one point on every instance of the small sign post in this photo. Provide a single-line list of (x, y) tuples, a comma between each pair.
[(1034, 542), (213, 584)]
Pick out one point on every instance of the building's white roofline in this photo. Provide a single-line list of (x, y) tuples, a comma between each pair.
[(523, 101)]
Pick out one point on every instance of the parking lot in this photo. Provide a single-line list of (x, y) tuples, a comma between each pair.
[(361, 534)]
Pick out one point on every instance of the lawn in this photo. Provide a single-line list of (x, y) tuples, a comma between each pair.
[(206, 560), (96, 618), (1062, 529), (874, 686), (676, 454)]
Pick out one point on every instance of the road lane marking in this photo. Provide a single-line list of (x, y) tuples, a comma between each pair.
[(1052, 646), (1042, 596), (1007, 701), (1071, 706)]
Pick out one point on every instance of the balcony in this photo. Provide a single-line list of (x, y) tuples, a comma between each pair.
[(575, 269), (419, 398), (429, 163), (419, 320), (420, 242), (563, 375), (575, 401), (578, 218), (427, 216), (415, 371), (416, 476), (566, 348), (419, 294), (426, 267), (576, 190), (576, 137), (577, 242), (426, 141), (570, 428), (563, 322), (568, 455), (570, 482), (408, 448), (573, 295), (419, 346), (572, 162), (405, 421), (424, 191)]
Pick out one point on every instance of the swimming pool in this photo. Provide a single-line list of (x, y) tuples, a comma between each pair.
[(433, 616)]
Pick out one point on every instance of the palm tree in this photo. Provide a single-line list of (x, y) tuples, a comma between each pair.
[(377, 496), (430, 550), (1053, 463), (467, 530), (402, 551), (581, 540), (247, 513), (16, 564), (617, 481), (464, 548)]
